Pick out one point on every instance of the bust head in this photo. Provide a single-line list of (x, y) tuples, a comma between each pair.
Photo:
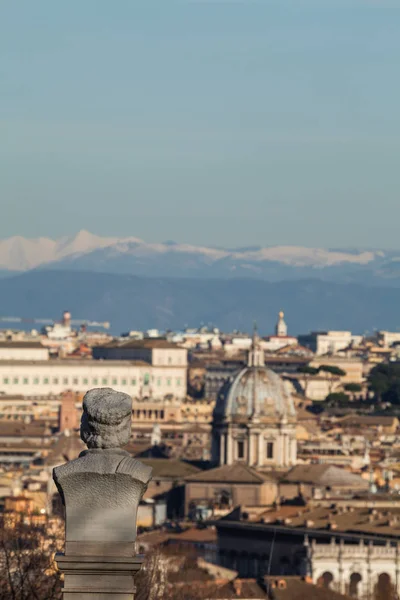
[(106, 418)]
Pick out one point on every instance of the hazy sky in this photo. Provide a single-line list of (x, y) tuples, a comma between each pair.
[(217, 122)]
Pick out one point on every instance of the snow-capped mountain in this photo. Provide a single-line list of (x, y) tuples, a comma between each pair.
[(131, 255)]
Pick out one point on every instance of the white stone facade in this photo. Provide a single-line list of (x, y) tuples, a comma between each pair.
[(23, 351), (362, 570), (42, 378)]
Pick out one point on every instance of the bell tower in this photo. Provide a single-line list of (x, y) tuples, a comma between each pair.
[(281, 327)]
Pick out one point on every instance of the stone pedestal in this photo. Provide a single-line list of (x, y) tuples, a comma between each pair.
[(98, 577), (101, 491)]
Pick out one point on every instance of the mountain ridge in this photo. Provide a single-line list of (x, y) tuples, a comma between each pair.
[(134, 302), (131, 255)]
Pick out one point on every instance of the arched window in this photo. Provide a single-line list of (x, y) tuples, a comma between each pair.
[(384, 589), (354, 585), (326, 580)]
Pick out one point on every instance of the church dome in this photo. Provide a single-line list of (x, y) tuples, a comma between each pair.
[(255, 392)]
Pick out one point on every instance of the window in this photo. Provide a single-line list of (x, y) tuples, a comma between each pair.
[(146, 378), (95, 381), (123, 381), (25, 380), (55, 380), (104, 381), (75, 381), (159, 381), (133, 381), (5, 380), (168, 381), (114, 381), (169, 360), (161, 414), (15, 380), (65, 381), (36, 380), (178, 381), (240, 449), (270, 450), (85, 381)]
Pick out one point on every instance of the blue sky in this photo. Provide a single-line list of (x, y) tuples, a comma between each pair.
[(216, 122)]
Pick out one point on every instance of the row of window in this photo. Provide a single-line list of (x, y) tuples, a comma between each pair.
[(269, 450), (86, 381), (147, 414)]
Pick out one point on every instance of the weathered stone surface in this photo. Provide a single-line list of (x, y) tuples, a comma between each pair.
[(106, 418), (101, 491)]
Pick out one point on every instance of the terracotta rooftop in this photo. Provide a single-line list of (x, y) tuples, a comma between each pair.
[(82, 362), (294, 588), (231, 474), (367, 421), (67, 447), (349, 520), (324, 475), (191, 534), (148, 344), (170, 468), (26, 344), (17, 428)]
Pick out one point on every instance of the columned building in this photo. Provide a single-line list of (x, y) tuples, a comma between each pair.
[(254, 418)]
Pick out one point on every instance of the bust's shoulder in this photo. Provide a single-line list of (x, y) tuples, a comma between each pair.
[(118, 462), (135, 468)]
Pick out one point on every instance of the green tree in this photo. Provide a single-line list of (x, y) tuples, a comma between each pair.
[(353, 388), (307, 371), (334, 372), (337, 399), (382, 378), (392, 395)]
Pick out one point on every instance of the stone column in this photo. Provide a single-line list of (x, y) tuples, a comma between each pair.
[(229, 453), (101, 491), (260, 459), (250, 457), (222, 444)]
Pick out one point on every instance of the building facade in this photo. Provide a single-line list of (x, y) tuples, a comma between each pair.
[(254, 418), (365, 570), (328, 342), (23, 350), (52, 377)]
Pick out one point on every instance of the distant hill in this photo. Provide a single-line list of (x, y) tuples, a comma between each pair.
[(131, 302), (132, 256)]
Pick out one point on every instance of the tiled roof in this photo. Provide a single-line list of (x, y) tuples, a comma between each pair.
[(67, 447), (81, 363), (294, 588), (232, 474), (169, 468), (367, 420), (13, 345), (341, 519), (327, 475), (147, 344), (35, 429)]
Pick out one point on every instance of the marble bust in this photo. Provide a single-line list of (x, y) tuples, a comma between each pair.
[(101, 489)]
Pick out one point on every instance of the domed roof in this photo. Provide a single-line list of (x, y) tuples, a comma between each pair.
[(256, 391)]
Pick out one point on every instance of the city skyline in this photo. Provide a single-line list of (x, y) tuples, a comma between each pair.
[(216, 123)]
